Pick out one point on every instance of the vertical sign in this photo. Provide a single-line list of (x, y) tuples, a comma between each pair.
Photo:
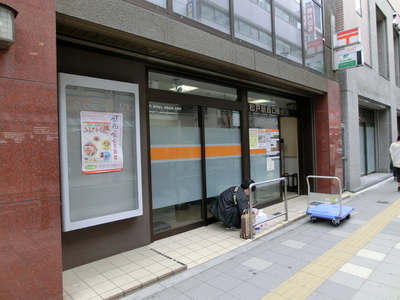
[(310, 19)]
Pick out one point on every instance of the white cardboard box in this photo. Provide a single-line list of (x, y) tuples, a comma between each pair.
[(260, 221)]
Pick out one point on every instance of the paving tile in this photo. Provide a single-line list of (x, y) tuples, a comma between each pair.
[(114, 273), (371, 254), (257, 263), (187, 284), (122, 280), (104, 287), (75, 287), (380, 290), (248, 291), (348, 280), (85, 294), (86, 272), (293, 244), (386, 279), (356, 270), (70, 278), (336, 291), (204, 291), (112, 294), (97, 279), (131, 286)]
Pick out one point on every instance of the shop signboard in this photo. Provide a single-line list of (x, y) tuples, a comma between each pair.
[(348, 58), (347, 38)]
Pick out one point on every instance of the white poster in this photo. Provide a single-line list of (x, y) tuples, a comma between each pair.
[(270, 164), (101, 137)]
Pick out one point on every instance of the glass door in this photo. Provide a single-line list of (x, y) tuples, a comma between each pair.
[(367, 141), (175, 165), (222, 151)]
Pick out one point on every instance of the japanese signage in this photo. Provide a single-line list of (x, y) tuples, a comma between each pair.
[(101, 137), (267, 139), (265, 109), (347, 58), (310, 17)]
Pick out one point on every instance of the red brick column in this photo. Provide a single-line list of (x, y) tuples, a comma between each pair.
[(329, 138), (30, 233)]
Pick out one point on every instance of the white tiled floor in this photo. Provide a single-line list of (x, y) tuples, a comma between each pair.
[(121, 274)]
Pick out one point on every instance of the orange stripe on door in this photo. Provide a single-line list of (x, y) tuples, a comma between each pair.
[(213, 151), (170, 153), (258, 151), (165, 153)]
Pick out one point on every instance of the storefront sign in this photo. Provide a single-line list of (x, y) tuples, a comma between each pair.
[(347, 38), (101, 137), (265, 109), (348, 58)]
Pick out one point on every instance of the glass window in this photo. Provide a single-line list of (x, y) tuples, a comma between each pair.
[(253, 22), (382, 43), (99, 150), (176, 84), (211, 13), (161, 3), (358, 7), (288, 30), (396, 45), (314, 36)]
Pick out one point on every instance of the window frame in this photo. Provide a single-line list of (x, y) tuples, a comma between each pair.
[(96, 83)]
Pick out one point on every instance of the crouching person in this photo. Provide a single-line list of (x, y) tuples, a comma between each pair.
[(230, 204)]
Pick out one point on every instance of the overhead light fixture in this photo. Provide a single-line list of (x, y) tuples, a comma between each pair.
[(259, 101), (181, 88), (7, 16)]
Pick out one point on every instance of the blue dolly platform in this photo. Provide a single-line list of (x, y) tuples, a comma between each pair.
[(336, 213)]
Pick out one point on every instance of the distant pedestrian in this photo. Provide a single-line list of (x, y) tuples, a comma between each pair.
[(395, 155)]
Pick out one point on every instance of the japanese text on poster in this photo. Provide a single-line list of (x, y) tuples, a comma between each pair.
[(101, 142)]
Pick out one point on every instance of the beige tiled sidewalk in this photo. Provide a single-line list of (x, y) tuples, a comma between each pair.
[(119, 275)]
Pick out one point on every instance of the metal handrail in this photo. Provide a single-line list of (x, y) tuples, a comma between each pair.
[(275, 216), (325, 177)]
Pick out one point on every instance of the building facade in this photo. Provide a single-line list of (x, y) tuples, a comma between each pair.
[(140, 113), (370, 94)]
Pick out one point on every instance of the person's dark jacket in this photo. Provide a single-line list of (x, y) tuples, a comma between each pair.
[(224, 209)]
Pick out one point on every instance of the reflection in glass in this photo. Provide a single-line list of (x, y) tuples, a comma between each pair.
[(223, 151), (162, 3), (313, 32), (253, 22), (175, 165), (288, 30), (97, 195), (176, 84), (271, 101), (211, 13)]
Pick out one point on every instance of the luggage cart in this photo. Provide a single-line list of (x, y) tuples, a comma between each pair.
[(336, 213)]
